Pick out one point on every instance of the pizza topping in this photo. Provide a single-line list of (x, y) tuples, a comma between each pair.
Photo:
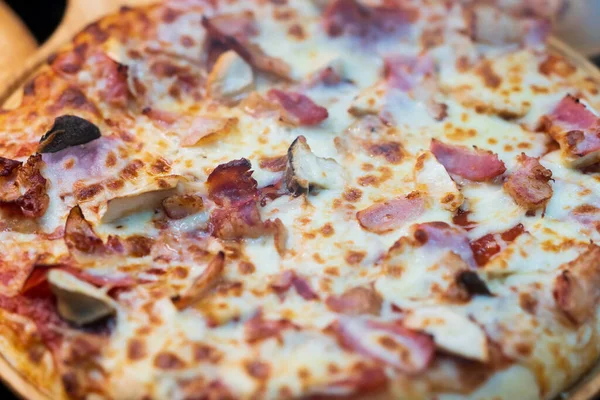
[(182, 205), (202, 284), (232, 182), (415, 75), (201, 127), (391, 214), (232, 32), (77, 301), (356, 301), (528, 184), (230, 78), (67, 131), (487, 246), (257, 328), (115, 77), (432, 178), (79, 234), (330, 75), (24, 186), (440, 235), (473, 164), (388, 342), (305, 172), (297, 109), (472, 283), (142, 198), (577, 131), (577, 287), (350, 17), (490, 25)]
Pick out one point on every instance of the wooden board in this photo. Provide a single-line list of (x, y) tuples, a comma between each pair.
[(81, 12)]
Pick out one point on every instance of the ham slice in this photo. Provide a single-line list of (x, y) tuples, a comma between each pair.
[(409, 351), (350, 17), (288, 279), (392, 214), (577, 131), (191, 128), (232, 32), (114, 76), (529, 184), (417, 76), (492, 25), (440, 235), (577, 288), (257, 328), (355, 301), (298, 109), (473, 164)]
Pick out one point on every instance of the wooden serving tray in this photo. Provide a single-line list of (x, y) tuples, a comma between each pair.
[(22, 53)]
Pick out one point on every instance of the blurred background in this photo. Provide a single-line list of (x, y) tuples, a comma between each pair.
[(40, 16)]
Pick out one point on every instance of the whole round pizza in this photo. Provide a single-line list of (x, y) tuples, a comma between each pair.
[(256, 199)]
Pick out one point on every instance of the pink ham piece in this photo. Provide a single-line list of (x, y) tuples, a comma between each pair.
[(257, 328), (298, 109), (349, 17), (288, 279), (474, 164), (440, 235), (577, 289), (392, 214), (576, 129), (529, 184), (355, 301), (416, 76), (232, 32), (409, 351), (191, 128), (114, 75)]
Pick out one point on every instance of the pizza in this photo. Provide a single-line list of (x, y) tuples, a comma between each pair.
[(227, 199)]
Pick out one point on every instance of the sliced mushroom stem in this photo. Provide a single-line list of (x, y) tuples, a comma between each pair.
[(77, 301), (306, 172)]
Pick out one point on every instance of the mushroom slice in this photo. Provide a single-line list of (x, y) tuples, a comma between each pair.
[(142, 198), (306, 172), (369, 101), (230, 79), (67, 131), (203, 283), (77, 301)]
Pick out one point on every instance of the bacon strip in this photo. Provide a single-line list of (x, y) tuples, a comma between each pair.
[(298, 109), (528, 184), (577, 288), (409, 351), (349, 17), (24, 186), (575, 128), (356, 301), (232, 31), (392, 214), (473, 164)]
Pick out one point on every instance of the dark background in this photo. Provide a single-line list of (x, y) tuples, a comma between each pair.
[(42, 17)]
